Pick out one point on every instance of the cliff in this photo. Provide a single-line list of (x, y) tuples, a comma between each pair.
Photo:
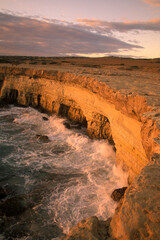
[(137, 215), (124, 111)]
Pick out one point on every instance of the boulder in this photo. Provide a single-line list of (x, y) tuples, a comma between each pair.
[(3, 104), (2, 193), (117, 194), (45, 118), (16, 231), (42, 138), (67, 125), (90, 229), (14, 206)]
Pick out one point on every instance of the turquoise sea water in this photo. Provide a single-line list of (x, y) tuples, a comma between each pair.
[(60, 180)]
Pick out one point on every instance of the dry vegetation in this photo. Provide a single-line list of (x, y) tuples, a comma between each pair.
[(104, 63), (141, 76)]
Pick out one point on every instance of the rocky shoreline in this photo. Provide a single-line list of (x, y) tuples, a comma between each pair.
[(127, 117)]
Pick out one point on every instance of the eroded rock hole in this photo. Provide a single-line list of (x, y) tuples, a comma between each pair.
[(1, 80), (63, 110), (99, 127), (73, 114), (39, 100), (11, 96), (29, 99)]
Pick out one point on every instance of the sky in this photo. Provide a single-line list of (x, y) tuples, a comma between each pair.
[(93, 28)]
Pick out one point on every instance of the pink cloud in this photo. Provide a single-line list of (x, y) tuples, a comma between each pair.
[(105, 26), (155, 3), (27, 36)]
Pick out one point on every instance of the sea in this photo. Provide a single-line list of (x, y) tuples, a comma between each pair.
[(57, 180)]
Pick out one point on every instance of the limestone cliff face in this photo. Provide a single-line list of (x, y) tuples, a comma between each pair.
[(138, 214), (106, 113), (126, 120)]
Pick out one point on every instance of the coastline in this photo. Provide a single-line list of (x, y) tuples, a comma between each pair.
[(130, 118)]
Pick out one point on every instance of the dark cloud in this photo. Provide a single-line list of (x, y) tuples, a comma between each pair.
[(27, 36), (104, 26)]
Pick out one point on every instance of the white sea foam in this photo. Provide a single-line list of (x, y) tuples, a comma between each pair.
[(89, 194), (87, 167)]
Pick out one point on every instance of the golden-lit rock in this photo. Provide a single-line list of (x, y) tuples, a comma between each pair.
[(138, 214), (122, 106)]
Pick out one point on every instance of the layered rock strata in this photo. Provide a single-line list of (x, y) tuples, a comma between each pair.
[(138, 214), (128, 120), (106, 113)]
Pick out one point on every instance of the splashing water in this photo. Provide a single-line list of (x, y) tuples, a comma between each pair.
[(68, 178)]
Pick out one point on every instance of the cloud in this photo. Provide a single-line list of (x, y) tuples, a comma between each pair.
[(28, 36), (105, 26), (155, 3)]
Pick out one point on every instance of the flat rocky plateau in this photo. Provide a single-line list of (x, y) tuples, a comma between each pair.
[(140, 76)]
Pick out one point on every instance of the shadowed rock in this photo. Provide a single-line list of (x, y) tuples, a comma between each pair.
[(72, 125), (18, 230), (2, 193), (67, 125), (11, 96), (3, 104), (45, 118), (117, 194), (14, 206), (76, 125), (90, 229), (42, 138)]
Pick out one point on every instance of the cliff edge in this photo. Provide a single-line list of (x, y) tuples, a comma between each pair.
[(117, 104)]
